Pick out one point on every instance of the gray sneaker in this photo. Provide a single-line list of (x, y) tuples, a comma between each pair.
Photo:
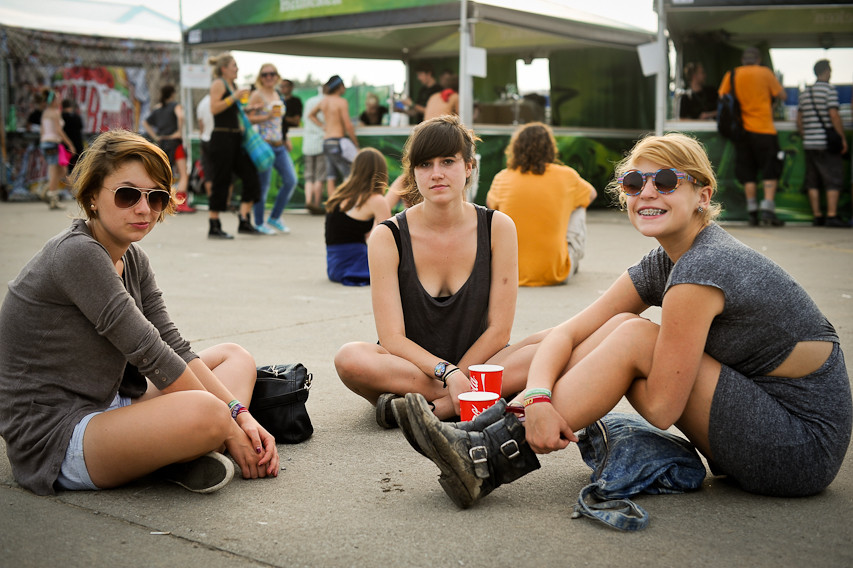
[(206, 474)]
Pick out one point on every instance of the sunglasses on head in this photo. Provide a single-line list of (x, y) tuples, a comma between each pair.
[(127, 197), (269, 74), (665, 180)]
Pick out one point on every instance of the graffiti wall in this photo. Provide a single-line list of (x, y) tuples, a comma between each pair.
[(114, 83)]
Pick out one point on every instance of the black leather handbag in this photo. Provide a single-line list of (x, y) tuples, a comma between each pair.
[(278, 402)]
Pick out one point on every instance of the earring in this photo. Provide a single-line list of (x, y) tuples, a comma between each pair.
[(700, 209), (92, 206)]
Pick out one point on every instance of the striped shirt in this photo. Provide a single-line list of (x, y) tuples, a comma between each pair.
[(825, 97)]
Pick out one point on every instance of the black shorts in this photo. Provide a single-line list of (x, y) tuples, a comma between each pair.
[(757, 152), (824, 170)]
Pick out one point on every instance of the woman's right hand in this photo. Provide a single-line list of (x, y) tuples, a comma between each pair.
[(241, 448), (457, 384), (547, 431)]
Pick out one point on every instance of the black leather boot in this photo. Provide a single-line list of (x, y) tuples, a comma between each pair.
[(246, 228), (472, 463), (490, 415), (216, 232)]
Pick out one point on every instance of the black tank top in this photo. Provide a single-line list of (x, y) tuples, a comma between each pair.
[(446, 327), (343, 229), (228, 117)]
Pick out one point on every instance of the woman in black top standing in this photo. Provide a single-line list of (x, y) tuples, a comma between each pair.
[(226, 147)]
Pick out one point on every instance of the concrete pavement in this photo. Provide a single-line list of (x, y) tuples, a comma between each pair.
[(357, 495)]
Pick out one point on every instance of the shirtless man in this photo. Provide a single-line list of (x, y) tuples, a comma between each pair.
[(445, 101), (337, 125)]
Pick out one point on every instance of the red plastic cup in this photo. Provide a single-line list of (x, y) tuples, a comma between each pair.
[(486, 378), (473, 403)]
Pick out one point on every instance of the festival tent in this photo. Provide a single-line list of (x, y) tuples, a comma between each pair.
[(589, 56)]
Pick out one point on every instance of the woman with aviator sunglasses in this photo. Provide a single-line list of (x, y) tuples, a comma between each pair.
[(97, 386), (743, 361), (268, 108)]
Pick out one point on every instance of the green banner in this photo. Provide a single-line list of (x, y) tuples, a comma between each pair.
[(245, 12)]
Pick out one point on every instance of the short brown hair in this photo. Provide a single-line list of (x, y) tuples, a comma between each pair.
[(437, 137), (110, 151)]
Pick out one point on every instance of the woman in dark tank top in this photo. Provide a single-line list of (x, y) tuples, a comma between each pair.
[(353, 210), (444, 281)]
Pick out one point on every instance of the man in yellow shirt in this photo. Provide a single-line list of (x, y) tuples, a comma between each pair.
[(756, 87), (547, 201)]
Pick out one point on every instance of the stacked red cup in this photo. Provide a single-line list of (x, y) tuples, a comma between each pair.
[(485, 390)]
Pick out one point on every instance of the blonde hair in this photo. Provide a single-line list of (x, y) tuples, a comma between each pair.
[(220, 61), (674, 150), (110, 151), (259, 79)]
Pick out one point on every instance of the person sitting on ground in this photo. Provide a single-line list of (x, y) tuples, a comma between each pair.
[(743, 361), (114, 392), (444, 281), (547, 201), (353, 210)]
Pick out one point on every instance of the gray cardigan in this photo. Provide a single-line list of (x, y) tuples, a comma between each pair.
[(68, 327)]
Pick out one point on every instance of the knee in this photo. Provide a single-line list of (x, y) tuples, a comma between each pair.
[(350, 362), (237, 355), (633, 328), (208, 416)]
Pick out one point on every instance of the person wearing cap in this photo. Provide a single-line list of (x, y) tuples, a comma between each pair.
[(756, 87), (338, 130)]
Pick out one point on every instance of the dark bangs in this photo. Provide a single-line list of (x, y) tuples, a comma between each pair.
[(438, 140)]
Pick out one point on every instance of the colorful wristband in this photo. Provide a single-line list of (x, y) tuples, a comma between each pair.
[(237, 409), (233, 403), (528, 400), (537, 392)]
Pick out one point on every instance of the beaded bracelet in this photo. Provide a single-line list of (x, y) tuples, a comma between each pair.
[(528, 400)]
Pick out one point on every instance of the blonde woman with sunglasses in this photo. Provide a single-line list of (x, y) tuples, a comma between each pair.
[(97, 386), (742, 362), (268, 108)]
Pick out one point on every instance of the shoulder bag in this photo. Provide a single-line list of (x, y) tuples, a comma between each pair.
[(729, 120), (259, 150), (278, 402)]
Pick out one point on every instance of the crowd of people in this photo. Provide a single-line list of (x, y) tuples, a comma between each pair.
[(743, 362)]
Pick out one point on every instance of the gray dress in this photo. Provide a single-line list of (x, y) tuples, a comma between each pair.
[(68, 327), (775, 436)]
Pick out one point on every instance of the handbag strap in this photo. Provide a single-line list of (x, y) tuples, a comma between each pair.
[(620, 514), (814, 106)]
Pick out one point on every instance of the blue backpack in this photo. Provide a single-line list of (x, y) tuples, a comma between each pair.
[(729, 121)]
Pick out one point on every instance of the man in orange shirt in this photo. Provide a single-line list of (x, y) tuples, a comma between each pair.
[(756, 87)]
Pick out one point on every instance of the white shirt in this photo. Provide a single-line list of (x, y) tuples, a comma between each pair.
[(202, 113)]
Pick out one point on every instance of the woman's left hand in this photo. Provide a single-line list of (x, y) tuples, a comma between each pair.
[(457, 384), (255, 451)]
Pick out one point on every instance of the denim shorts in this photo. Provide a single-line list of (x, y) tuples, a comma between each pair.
[(50, 151), (73, 476)]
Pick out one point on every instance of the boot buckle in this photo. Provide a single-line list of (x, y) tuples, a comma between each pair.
[(510, 449), (478, 454)]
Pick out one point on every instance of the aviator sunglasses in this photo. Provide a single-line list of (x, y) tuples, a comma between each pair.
[(127, 197), (266, 74), (665, 180)]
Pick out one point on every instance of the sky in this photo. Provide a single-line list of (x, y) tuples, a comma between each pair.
[(795, 65)]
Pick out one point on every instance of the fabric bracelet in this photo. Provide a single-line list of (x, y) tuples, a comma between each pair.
[(233, 403), (537, 392), (237, 409), (534, 399)]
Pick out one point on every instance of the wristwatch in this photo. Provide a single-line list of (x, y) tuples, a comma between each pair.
[(440, 371)]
